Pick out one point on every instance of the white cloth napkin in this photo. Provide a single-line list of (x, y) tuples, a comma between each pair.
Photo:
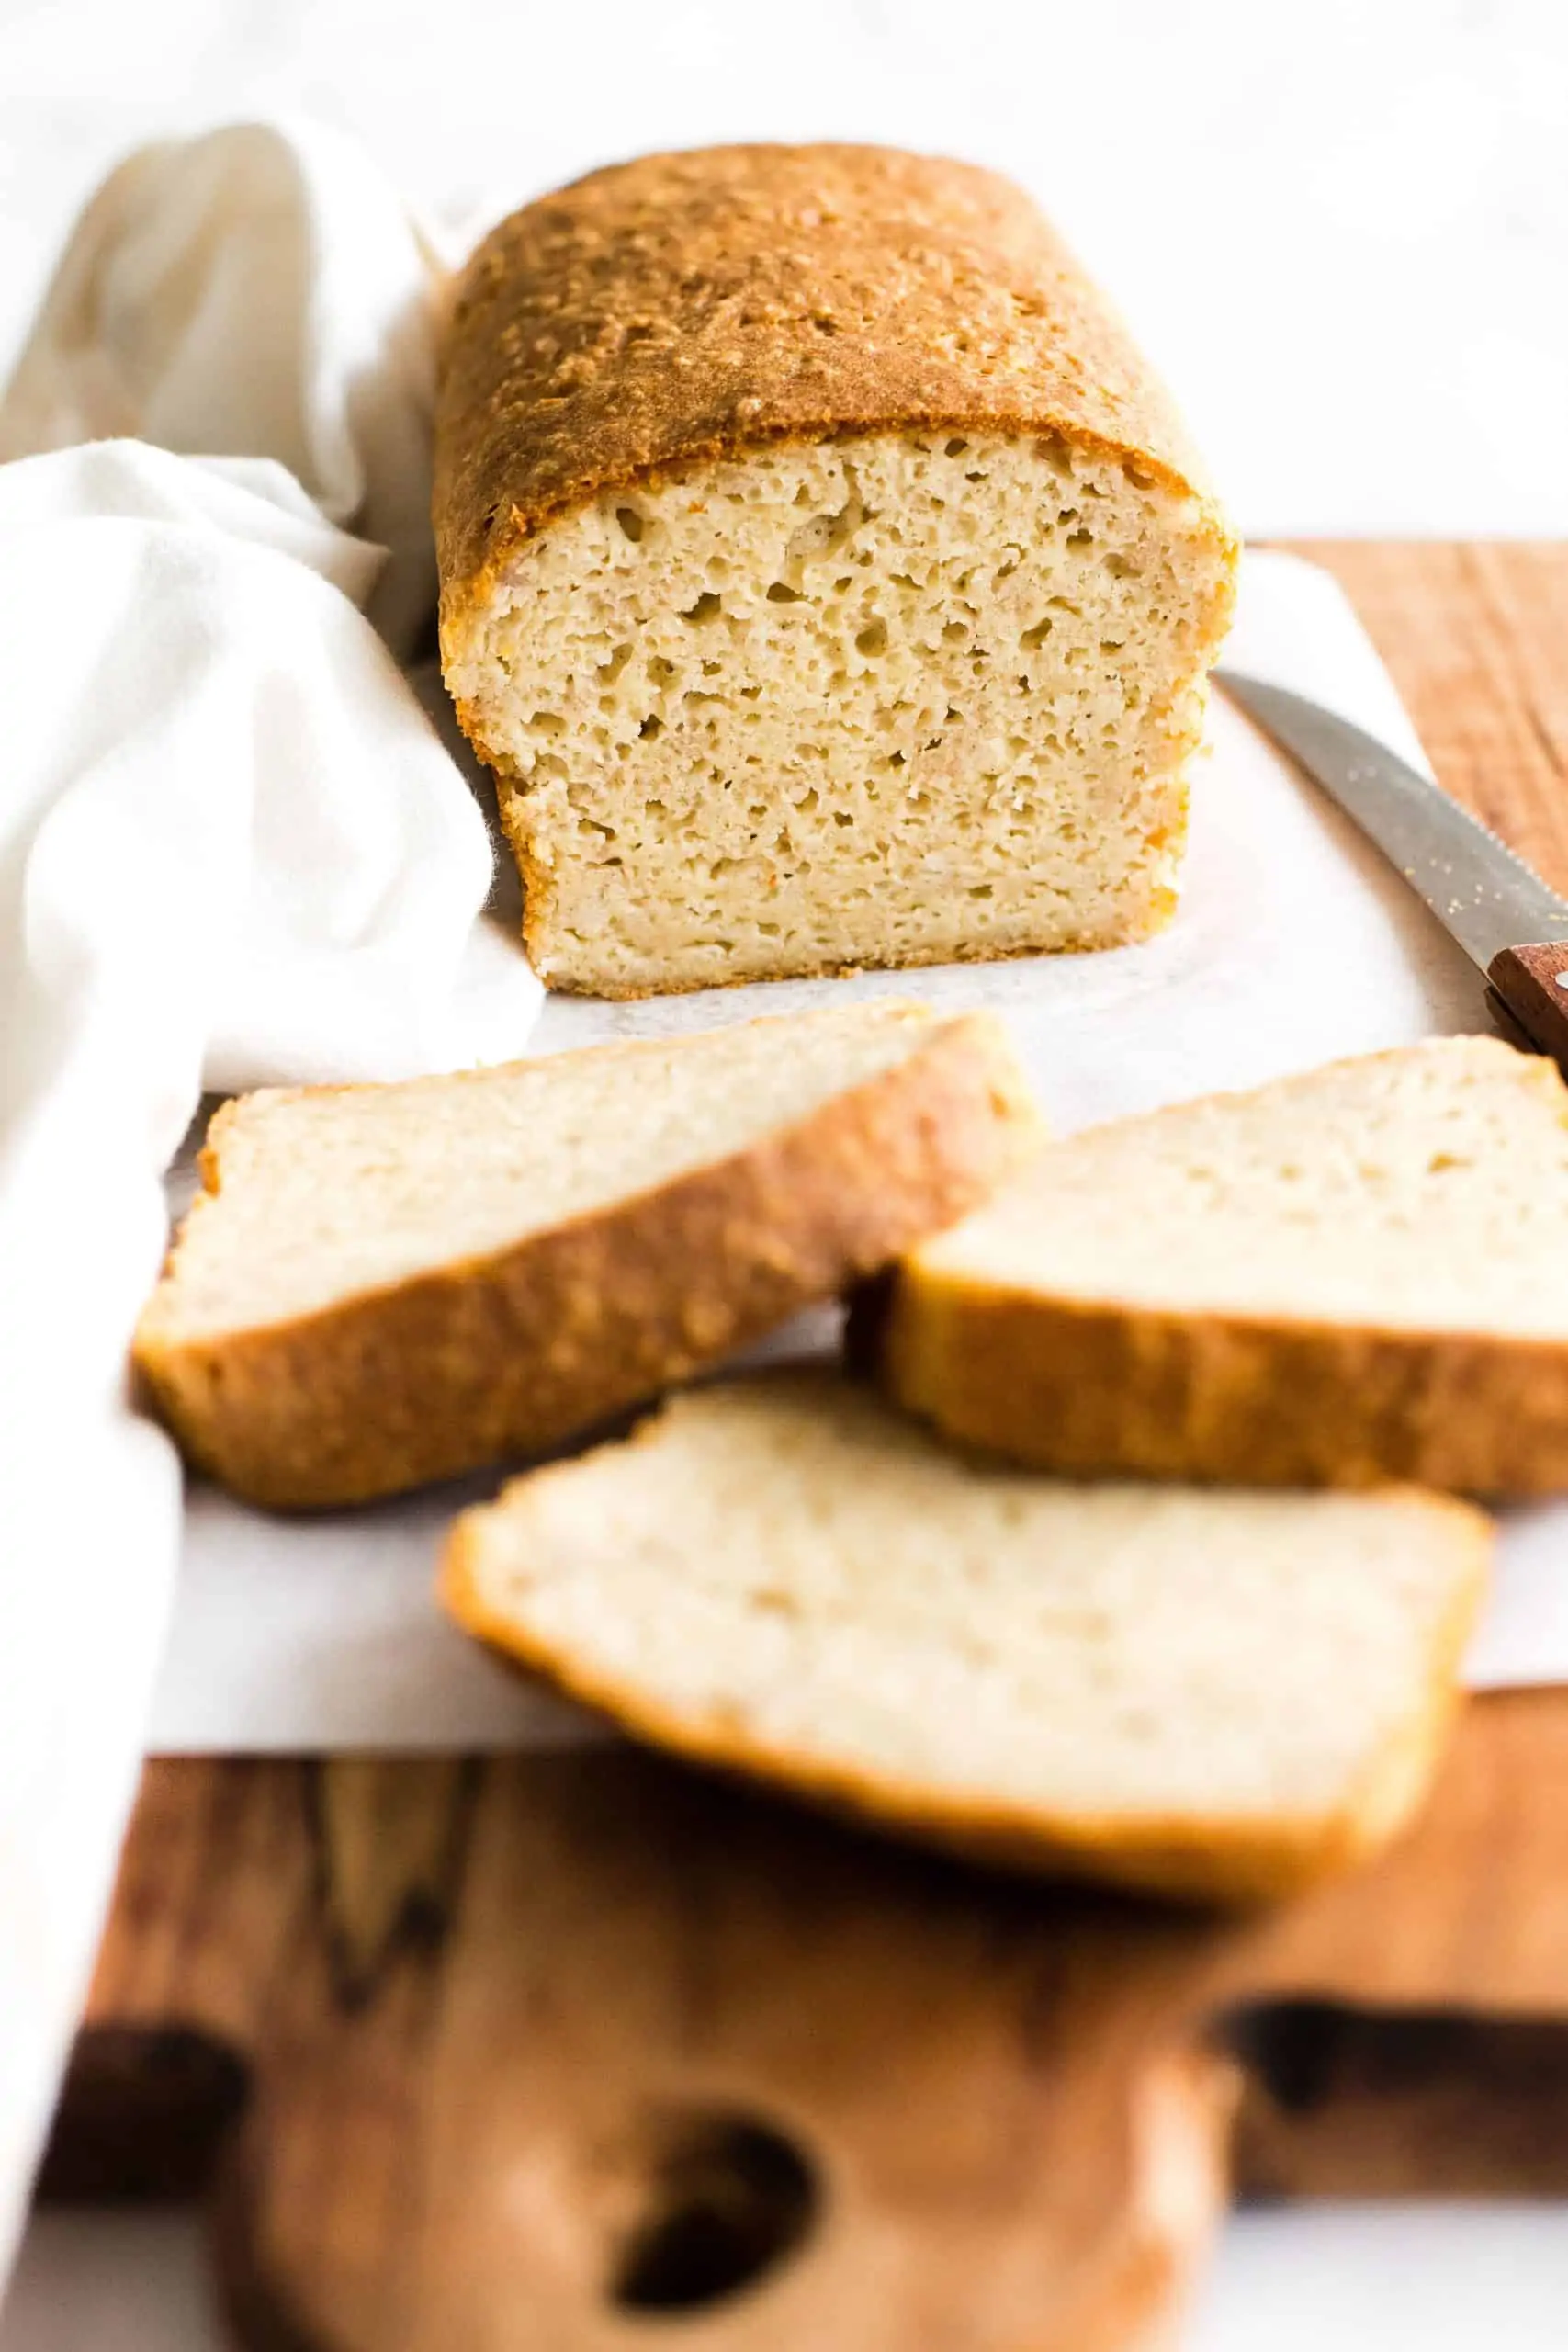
[(260, 292), (232, 850)]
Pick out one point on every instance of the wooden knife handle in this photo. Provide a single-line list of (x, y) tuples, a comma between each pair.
[(1532, 982)]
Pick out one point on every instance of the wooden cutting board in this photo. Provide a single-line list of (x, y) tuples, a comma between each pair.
[(576, 2051)]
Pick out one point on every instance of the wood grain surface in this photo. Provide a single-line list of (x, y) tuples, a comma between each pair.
[(546, 2049), (1474, 635), (578, 2050)]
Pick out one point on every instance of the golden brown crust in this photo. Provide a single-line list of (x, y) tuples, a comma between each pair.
[(1235, 1860), (683, 308), (1095, 1387), (517, 1353)]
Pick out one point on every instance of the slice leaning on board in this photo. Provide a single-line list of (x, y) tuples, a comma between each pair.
[(383, 1285), (1356, 1275), (1205, 1691)]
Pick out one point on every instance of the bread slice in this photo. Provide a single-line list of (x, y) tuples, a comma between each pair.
[(386, 1285), (1354, 1275), (824, 575), (1210, 1693)]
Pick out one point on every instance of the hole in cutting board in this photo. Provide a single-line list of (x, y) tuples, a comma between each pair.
[(143, 2115), (730, 2199), (1346, 2102)]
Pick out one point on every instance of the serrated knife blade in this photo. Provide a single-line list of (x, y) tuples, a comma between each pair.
[(1505, 916)]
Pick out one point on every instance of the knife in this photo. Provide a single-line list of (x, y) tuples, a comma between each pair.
[(1508, 922)]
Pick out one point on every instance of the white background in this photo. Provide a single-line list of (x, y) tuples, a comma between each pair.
[(1340, 227)]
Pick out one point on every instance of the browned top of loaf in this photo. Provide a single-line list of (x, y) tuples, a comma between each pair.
[(686, 307)]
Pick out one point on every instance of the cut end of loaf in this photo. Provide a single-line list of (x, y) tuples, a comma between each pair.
[(1209, 1694), (886, 700)]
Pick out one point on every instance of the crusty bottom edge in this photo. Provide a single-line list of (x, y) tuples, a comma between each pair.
[(1237, 1862)]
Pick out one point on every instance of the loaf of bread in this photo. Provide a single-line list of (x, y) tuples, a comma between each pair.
[(823, 573), (386, 1285), (1212, 1693), (1354, 1275)]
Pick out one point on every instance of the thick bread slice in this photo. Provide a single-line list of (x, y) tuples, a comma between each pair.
[(823, 573), (1208, 1693), (386, 1285), (1354, 1275)]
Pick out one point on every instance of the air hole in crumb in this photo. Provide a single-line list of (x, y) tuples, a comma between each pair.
[(981, 890), (873, 638), (955, 633), (1080, 538), (955, 448), (776, 1601), (652, 727), (781, 593), (704, 609), (630, 522), (1033, 638)]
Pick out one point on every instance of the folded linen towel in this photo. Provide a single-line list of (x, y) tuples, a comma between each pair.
[(232, 850)]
